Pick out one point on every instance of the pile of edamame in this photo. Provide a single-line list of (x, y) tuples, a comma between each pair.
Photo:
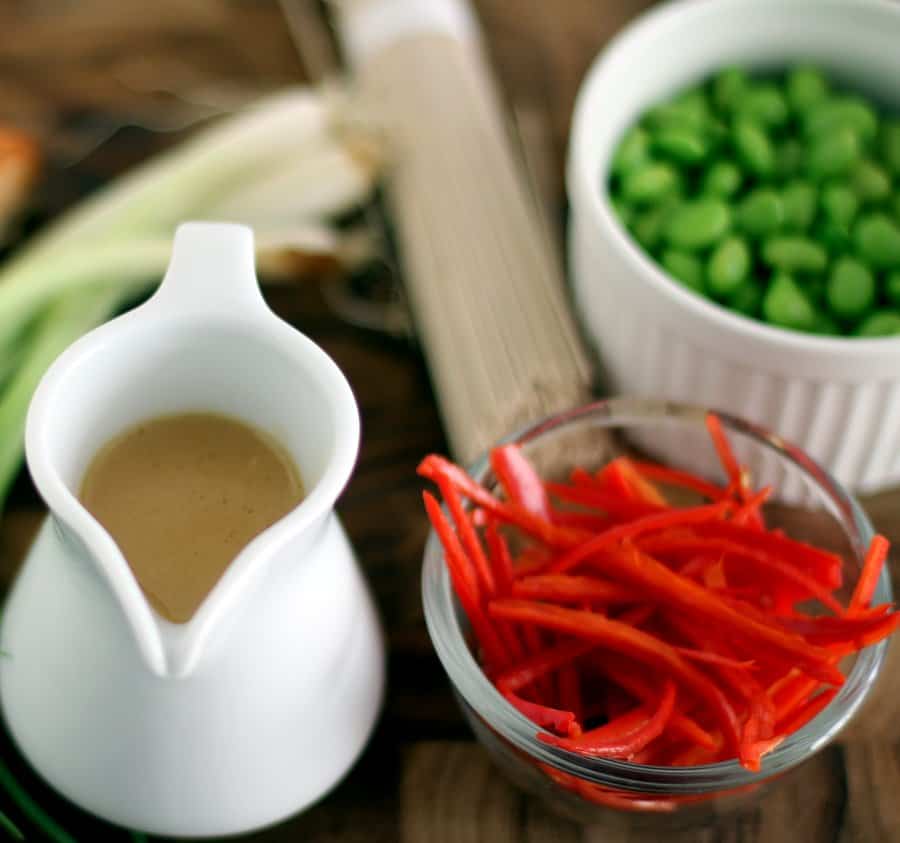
[(775, 197)]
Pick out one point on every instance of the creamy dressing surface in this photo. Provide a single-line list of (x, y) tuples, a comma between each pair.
[(182, 496)]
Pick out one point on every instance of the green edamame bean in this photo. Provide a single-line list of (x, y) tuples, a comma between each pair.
[(728, 267), (786, 305), (684, 267), (892, 288), (649, 183), (890, 146), (877, 240), (788, 158), (747, 299), (761, 212), (832, 153), (838, 113), (753, 147), (851, 289), (680, 144), (728, 88), (693, 101), (633, 150), (722, 179), (839, 204), (647, 227), (881, 323), (669, 115), (870, 181), (623, 212), (834, 236), (799, 199), (697, 224), (764, 104), (794, 254), (716, 133), (806, 87)]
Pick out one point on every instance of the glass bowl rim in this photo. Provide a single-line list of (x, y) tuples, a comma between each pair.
[(482, 697)]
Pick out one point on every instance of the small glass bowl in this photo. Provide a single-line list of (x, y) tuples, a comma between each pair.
[(807, 502)]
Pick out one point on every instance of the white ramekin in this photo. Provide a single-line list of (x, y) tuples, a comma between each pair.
[(839, 399)]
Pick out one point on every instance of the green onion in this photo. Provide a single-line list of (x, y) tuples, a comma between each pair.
[(281, 167), (31, 809), (11, 829)]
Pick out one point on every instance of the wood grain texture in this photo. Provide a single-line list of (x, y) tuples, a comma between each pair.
[(67, 68)]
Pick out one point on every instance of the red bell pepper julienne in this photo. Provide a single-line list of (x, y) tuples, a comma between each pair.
[(625, 738), (625, 639), (871, 571), (520, 481), (628, 628)]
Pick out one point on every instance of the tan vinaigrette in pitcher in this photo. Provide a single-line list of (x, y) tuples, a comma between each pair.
[(182, 495)]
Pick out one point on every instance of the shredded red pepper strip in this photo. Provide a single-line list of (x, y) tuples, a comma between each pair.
[(625, 737), (499, 557), (465, 580), (761, 712), (570, 588), (748, 514), (865, 630), (582, 520), (434, 467), (682, 479), (798, 719), (602, 499), (683, 593), (540, 664), (625, 639), (870, 573), (581, 477), (714, 658), (622, 673), (693, 543), (469, 538), (544, 716), (649, 523), (465, 585), (519, 480), (788, 695), (642, 489), (738, 680), (726, 455), (824, 566)]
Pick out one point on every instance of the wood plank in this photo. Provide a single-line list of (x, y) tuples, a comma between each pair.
[(873, 788), (452, 793)]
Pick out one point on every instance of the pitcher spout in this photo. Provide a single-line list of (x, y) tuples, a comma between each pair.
[(211, 269)]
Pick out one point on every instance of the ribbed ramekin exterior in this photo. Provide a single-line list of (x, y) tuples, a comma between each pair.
[(847, 418)]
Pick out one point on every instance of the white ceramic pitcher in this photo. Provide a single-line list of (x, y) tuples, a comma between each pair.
[(263, 700)]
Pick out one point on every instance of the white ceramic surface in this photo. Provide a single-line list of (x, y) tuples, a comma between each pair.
[(839, 399), (263, 700)]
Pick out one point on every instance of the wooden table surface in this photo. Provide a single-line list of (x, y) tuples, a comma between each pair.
[(73, 72)]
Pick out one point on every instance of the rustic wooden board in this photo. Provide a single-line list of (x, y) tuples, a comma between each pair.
[(67, 69)]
